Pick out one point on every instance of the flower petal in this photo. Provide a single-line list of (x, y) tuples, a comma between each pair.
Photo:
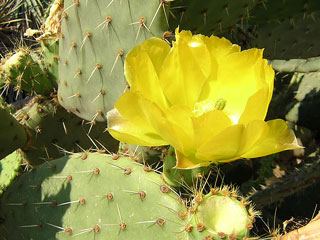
[(190, 162), (240, 75), (131, 122), (279, 138), (219, 48), (208, 125), (176, 128), (256, 108), (223, 146), (125, 131), (142, 67), (185, 69)]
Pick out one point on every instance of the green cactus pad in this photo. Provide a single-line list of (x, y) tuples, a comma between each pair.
[(275, 10), (303, 110), (297, 65), (53, 131), (92, 196), (23, 70), (180, 177), (12, 134), (96, 37), (142, 154), (291, 38), (9, 167), (209, 17), (50, 54)]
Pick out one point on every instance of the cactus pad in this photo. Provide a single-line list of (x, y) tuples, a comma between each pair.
[(9, 167), (53, 131), (96, 37)]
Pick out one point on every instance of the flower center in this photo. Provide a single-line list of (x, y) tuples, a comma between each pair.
[(205, 106)]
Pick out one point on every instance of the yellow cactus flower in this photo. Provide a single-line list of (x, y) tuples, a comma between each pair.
[(204, 96)]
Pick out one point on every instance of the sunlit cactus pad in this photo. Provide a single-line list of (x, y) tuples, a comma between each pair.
[(96, 37), (92, 196), (9, 167)]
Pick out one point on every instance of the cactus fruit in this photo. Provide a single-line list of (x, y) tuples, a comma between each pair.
[(209, 17), (180, 177), (53, 131), (13, 135), (9, 167), (23, 70), (92, 52), (221, 214)]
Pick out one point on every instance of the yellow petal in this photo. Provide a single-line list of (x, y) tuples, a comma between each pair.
[(223, 146), (185, 70), (176, 128), (123, 130), (256, 108), (132, 124), (142, 66), (208, 125), (254, 132), (190, 162), (240, 75), (279, 138), (219, 48)]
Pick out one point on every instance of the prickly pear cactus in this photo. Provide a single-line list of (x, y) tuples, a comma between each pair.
[(54, 131), (96, 37), (221, 214), (24, 71), (13, 135), (208, 17), (92, 196), (9, 167), (290, 38)]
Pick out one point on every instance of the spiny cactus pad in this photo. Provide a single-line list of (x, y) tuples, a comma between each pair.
[(304, 108), (24, 70), (209, 17), (96, 37), (50, 53), (290, 38), (297, 65), (9, 167), (12, 134), (275, 10), (92, 196), (51, 127)]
